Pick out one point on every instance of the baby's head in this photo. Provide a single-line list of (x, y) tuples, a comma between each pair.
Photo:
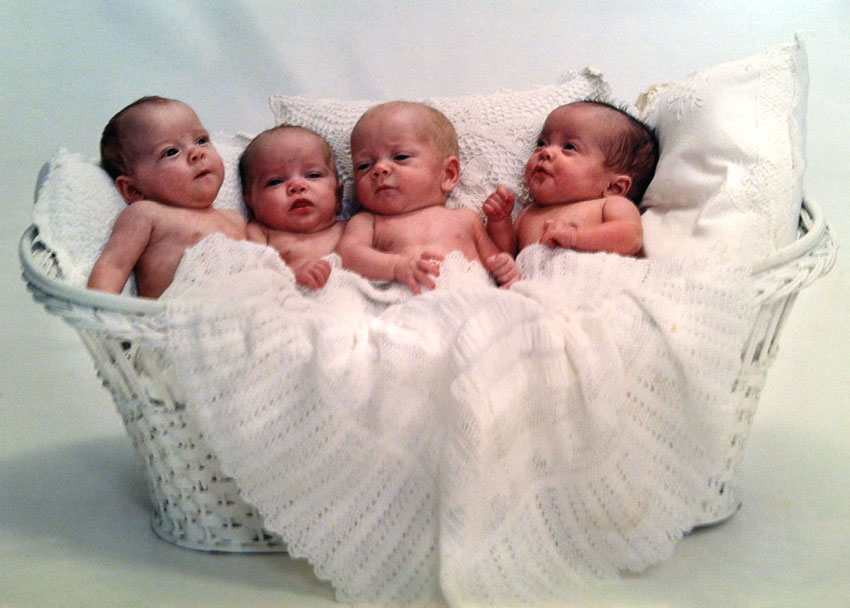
[(405, 157), (289, 180), (588, 150), (157, 149)]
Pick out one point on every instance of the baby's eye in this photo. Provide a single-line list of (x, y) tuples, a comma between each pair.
[(273, 182), (570, 147), (363, 166), (170, 152), (401, 157), (314, 175), (540, 144), (202, 140)]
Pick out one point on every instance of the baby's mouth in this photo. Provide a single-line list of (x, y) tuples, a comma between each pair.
[(301, 204)]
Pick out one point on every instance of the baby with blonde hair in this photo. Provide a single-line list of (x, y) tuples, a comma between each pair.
[(406, 162)]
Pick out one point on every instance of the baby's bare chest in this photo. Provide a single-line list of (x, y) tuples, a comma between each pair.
[(443, 229), (177, 231), (294, 247)]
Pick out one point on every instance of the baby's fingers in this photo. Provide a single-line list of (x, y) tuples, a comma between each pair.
[(320, 273), (315, 274), (429, 263), (499, 204), (425, 279), (503, 268)]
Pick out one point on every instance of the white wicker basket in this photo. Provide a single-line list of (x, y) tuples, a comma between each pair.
[(196, 506)]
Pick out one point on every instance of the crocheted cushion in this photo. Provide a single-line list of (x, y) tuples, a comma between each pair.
[(496, 132), (729, 180)]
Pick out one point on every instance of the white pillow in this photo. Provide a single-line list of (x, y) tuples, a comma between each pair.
[(77, 204), (732, 138), (496, 132)]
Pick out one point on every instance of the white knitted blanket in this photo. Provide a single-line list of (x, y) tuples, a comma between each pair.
[(471, 445)]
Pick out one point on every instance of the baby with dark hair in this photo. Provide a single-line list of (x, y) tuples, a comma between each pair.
[(169, 173), (588, 172)]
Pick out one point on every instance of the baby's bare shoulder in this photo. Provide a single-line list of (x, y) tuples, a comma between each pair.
[(147, 208), (232, 214), (466, 214)]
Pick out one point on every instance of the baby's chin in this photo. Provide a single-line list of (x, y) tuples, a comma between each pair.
[(546, 198), (399, 206)]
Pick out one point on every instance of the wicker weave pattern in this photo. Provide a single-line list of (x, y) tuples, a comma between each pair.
[(196, 506), (776, 286)]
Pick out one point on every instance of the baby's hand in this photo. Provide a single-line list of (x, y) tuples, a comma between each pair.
[(559, 233), (313, 274), (499, 205), (414, 272), (503, 268)]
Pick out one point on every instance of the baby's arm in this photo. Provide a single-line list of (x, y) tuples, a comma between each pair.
[(619, 232), (130, 237), (498, 263), (498, 208), (358, 254)]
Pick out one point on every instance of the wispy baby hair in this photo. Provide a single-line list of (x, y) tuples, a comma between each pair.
[(438, 128), (113, 156)]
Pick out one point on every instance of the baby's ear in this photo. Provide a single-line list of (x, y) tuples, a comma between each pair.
[(127, 187), (619, 186), (451, 174)]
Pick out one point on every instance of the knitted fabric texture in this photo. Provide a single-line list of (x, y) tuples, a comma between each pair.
[(496, 132), (471, 445)]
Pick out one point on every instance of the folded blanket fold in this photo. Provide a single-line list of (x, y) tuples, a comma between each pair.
[(471, 444)]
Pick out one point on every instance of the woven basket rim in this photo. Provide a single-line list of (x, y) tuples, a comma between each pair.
[(815, 230), (80, 296), (91, 298)]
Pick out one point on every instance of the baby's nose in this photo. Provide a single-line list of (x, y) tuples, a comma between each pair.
[(196, 153), (296, 185), (380, 168)]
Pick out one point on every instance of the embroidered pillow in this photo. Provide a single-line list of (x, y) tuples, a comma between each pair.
[(729, 178)]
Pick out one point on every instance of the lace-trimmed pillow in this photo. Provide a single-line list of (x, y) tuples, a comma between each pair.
[(729, 179), (496, 132), (77, 203)]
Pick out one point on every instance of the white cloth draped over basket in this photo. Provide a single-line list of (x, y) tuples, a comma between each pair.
[(476, 442)]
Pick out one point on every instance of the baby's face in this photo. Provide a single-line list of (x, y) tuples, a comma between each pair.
[(396, 167), (568, 164), (292, 184), (171, 157)]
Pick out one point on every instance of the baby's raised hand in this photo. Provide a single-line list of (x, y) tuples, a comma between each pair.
[(559, 233), (414, 272), (499, 205), (313, 274), (503, 268)]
